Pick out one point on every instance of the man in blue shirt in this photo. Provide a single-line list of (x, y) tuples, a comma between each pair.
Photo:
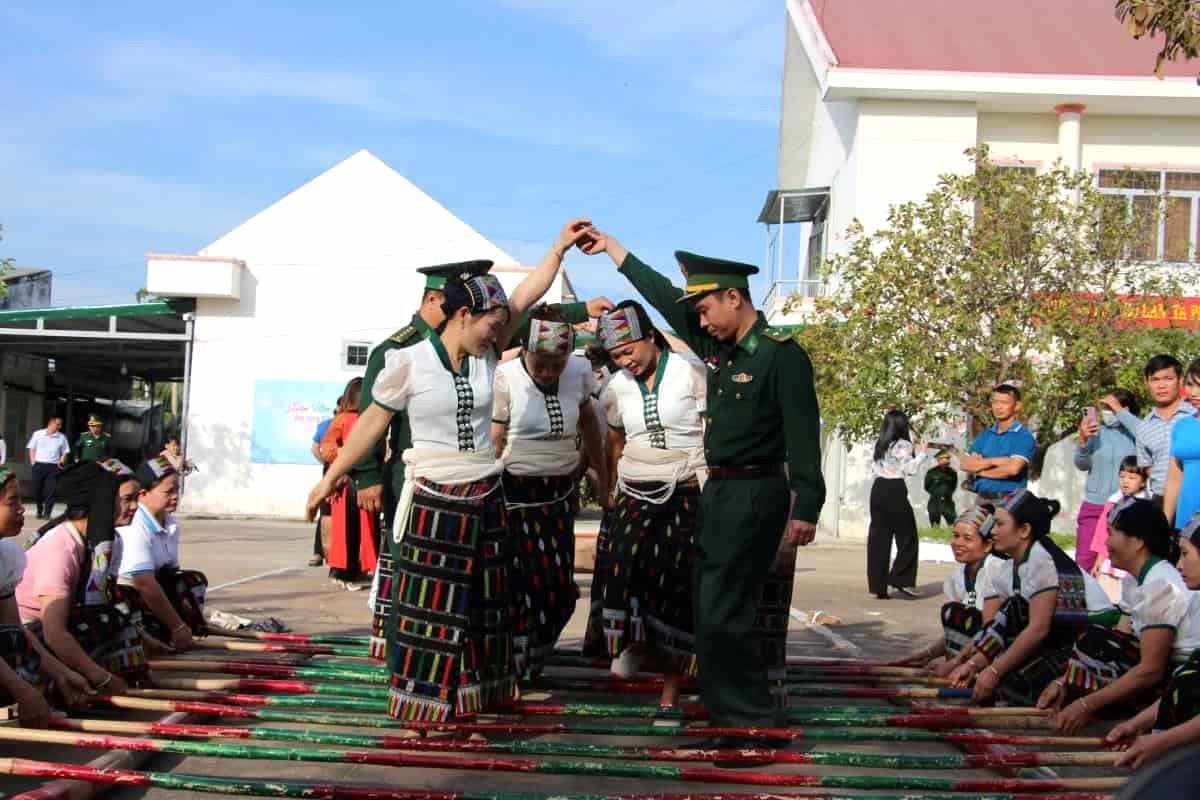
[(999, 458)]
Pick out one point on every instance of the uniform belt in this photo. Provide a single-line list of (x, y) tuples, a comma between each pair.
[(746, 472)]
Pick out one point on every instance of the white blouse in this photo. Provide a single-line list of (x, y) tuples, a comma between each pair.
[(901, 460), (1037, 574), (1161, 599), (955, 585), (531, 412), (668, 416), (447, 411), (144, 546)]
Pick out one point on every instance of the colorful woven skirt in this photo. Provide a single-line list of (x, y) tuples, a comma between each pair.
[(1181, 699), (647, 592), (18, 653), (960, 624), (185, 590), (541, 525), (1099, 657), (110, 639), (771, 618), (1024, 685), (453, 641), (594, 645)]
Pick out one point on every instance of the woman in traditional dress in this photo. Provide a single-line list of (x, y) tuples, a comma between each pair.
[(62, 596), (352, 549), (1046, 602), (655, 411), (25, 664), (453, 653), (1173, 722), (966, 610), (1109, 667), (543, 404), (163, 599)]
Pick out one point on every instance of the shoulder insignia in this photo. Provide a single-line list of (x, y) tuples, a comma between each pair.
[(404, 335), (779, 334)]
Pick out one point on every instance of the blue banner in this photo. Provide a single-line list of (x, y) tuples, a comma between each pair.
[(286, 415)]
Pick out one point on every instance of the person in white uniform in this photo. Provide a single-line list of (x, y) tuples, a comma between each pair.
[(1109, 668), (655, 412), (453, 633), (543, 406)]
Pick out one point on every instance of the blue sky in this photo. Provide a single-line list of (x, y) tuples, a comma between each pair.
[(130, 128)]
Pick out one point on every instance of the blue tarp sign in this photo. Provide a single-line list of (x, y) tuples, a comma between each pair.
[(286, 414)]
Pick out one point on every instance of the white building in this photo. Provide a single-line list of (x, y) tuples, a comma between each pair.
[(288, 305), (882, 96)]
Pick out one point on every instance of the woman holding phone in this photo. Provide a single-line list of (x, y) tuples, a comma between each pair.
[(1106, 437)]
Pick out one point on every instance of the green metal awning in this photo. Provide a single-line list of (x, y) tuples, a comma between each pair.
[(795, 205)]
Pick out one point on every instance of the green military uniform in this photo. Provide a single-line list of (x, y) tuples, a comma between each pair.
[(761, 413), (940, 483), (374, 469), (92, 446)]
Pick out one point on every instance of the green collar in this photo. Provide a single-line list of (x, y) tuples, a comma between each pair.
[(969, 577), (445, 358), (1149, 565), (750, 341), (421, 325), (1024, 556), (658, 373)]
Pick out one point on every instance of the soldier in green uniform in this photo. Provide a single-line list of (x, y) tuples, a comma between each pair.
[(940, 483), (764, 490), (93, 444), (379, 480)]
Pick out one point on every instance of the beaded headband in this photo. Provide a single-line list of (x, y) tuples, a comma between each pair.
[(980, 518), (617, 327), (485, 292), (549, 337)]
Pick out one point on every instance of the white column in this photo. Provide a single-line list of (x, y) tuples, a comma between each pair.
[(1069, 116)]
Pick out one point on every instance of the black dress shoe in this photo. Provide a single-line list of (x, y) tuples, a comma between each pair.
[(882, 595)]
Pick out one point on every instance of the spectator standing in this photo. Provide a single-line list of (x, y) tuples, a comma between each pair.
[(48, 451), (999, 458), (323, 532), (1104, 442), (1163, 375), (940, 483), (94, 444), (1182, 492), (892, 516), (352, 551)]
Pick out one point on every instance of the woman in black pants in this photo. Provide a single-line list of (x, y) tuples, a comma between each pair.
[(896, 457)]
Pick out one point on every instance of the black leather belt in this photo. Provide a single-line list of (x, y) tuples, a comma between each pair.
[(745, 473)]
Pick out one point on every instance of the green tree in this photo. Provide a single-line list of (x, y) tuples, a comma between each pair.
[(997, 275), (1178, 21)]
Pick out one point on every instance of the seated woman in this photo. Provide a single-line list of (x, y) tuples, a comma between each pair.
[(1174, 721), (966, 611), (1046, 602), (25, 664), (1108, 667), (62, 594), (163, 600)]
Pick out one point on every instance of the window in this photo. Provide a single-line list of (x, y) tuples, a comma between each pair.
[(354, 354), (1168, 230)]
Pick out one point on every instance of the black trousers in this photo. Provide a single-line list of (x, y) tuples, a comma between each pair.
[(45, 479), (891, 517)]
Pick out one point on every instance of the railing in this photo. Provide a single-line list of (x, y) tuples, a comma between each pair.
[(781, 290)]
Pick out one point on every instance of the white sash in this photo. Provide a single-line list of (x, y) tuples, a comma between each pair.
[(669, 467), (541, 456)]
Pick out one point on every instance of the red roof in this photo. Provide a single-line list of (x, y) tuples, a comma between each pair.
[(1035, 37)]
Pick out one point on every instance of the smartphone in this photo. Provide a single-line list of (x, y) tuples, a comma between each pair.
[(1089, 414)]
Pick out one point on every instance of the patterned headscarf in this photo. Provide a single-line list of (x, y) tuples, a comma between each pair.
[(154, 470), (477, 293), (550, 337), (1191, 531), (618, 327), (6, 475), (980, 518)]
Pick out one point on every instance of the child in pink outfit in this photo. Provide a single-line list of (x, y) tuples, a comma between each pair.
[(1132, 481)]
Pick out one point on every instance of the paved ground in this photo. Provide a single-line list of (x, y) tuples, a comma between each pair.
[(257, 569)]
